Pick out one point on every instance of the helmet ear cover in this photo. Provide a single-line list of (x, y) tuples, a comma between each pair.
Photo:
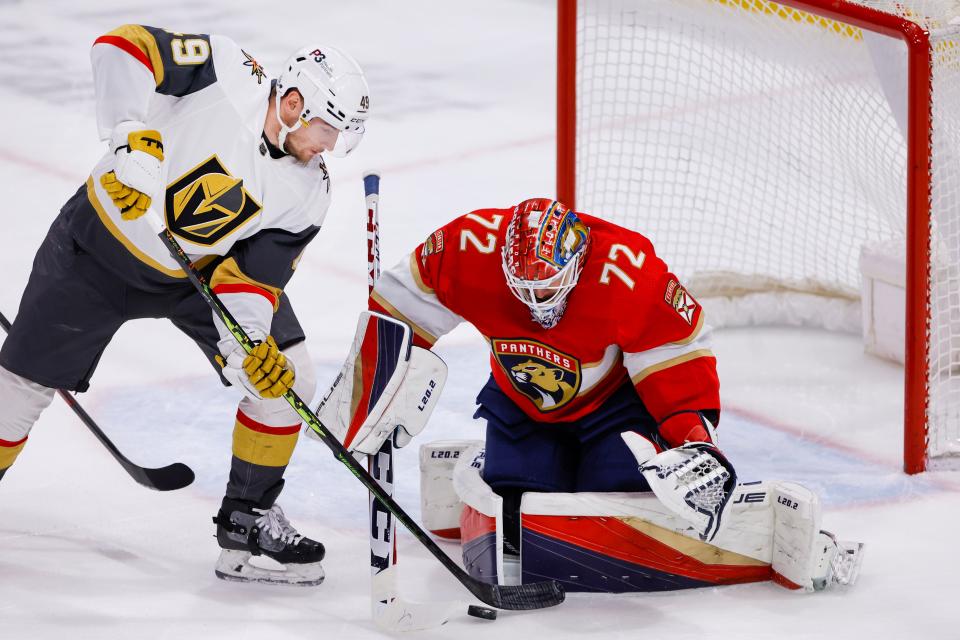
[(543, 256)]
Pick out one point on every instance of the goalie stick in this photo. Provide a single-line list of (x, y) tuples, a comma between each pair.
[(169, 478), (515, 597), (390, 611)]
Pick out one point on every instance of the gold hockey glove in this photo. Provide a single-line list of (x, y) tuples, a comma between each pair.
[(137, 175), (267, 370)]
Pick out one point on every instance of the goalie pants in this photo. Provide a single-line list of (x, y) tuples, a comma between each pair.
[(584, 455), (71, 308)]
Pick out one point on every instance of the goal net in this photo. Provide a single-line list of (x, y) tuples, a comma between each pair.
[(762, 145)]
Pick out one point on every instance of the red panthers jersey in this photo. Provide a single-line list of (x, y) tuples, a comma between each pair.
[(628, 316)]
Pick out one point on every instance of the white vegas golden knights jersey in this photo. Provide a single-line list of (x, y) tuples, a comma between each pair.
[(227, 191)]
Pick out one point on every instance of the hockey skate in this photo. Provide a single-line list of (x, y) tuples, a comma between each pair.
[(246, 529), (838, 563)]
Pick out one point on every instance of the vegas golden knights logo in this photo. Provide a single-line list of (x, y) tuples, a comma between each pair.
[(207, 204), (548, 377)]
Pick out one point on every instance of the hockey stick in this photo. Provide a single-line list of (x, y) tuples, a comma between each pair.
[(528, 596), (169, 478), (390, 611)]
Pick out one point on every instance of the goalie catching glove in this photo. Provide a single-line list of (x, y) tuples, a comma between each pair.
[(694, 480), (263, 373), (386, 386), (137, 176)]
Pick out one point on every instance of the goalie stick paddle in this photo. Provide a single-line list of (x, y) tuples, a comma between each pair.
[(169, 478), (520, 597), (390, 611)]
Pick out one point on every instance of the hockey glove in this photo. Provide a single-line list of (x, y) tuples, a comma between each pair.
[(263, 373), (387, 387), (695, 481), (137, 176)]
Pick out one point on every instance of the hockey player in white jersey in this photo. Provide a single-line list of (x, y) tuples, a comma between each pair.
[(233, 162)]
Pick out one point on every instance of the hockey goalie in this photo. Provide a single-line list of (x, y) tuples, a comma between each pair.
[(601, 466)]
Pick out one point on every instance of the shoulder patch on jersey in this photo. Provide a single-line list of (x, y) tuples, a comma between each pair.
[(550, 378), (207, 203), (256, 69), (681, 300), (433, 244)]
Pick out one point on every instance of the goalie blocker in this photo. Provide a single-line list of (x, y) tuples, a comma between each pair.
[(627, 542), (387, 386)]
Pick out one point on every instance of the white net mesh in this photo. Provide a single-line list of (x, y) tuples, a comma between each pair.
[(760, 147)]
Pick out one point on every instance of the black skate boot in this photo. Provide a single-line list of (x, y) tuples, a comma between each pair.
[(246, 529)]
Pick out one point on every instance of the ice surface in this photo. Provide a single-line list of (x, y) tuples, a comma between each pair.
[(462, 104)]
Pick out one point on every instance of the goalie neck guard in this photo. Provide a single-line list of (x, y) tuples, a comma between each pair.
[(543, 256)]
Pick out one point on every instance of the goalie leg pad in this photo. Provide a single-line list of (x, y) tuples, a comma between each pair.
[(440, 505), (622, 553), (804, 556), (481, 521)]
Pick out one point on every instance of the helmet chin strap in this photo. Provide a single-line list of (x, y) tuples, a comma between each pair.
[(284, 129)]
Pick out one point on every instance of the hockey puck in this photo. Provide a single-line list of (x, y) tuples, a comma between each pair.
[(482, 612)]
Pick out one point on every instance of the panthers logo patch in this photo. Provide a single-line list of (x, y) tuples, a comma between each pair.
[(206, 204), (433, 244), (550, 378), (681, 301)]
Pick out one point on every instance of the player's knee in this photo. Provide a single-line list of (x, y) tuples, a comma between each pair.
[(22, 401)]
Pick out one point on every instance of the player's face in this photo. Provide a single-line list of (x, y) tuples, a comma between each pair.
[(311, 139), (542, 294)]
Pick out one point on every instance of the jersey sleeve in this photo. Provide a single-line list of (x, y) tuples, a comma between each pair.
[(668, 355), (133, 62), (251, 278), (413, 290)]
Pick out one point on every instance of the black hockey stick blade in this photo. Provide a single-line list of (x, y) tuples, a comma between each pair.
[(168, 478), (521, 597)]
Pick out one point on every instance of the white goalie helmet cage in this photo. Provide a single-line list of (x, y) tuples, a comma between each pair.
[(334, 89)]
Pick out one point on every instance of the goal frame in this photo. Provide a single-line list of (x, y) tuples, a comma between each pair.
[(919, 167)]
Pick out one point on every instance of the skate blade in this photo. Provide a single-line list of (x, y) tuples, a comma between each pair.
[(235, 566), (847, 561), (838, 564)]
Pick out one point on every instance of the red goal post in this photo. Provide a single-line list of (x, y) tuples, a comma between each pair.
[(662, 126)]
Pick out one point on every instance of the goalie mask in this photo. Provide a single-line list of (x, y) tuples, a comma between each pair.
[(543, 256), (334, 89)]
